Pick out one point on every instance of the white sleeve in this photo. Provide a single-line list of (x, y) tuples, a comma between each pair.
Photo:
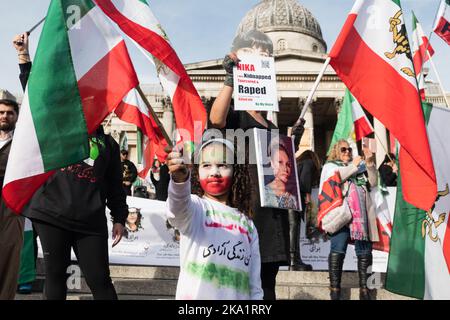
[(182, 210), (347, 171), (256, 292)]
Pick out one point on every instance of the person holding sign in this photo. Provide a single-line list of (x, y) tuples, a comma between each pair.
[(219, 246), (356, 177), (68, 210), (272, 224)]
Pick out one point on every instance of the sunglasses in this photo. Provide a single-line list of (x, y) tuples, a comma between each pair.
[(343, 149)]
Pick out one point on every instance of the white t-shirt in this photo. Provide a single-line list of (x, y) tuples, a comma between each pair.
[(219, 248), (5, 141)]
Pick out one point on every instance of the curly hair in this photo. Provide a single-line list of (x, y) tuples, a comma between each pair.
[(334, 153), (241, 188)]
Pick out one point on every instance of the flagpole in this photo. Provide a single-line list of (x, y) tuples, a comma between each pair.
[(439, 81), (421, 74), (313, 90), (154, 116), (382, 144)]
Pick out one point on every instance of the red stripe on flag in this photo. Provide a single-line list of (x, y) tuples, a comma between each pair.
[(362, 128), (157, 142), (18, 193), (187, 105), (396, 103), (131, 114), (446, 246), (105, 85), (421, 56), (443, 30)]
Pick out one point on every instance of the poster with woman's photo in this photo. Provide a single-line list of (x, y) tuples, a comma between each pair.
[(277, 171)]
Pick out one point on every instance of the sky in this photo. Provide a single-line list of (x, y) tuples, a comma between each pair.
[(202, 30)]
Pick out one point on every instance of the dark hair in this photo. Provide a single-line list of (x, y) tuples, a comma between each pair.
[(124, 152), (253, 38), (10, 103), (311, 155), (154, 162), (241, 188), (387, 159)]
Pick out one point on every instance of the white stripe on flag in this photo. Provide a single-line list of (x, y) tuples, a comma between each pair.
[(371, 25), (87, 51), (141, 14), (134, 99), (30, 158), (437, 283)]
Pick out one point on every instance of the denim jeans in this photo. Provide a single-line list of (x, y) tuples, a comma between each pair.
[(340, 239)]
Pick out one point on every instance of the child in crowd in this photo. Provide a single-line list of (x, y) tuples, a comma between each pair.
[(219, 246)]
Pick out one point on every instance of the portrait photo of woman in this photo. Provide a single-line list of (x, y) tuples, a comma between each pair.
[(278, 175), (132, 224)]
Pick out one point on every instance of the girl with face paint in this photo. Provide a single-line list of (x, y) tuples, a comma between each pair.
[(219, 244)]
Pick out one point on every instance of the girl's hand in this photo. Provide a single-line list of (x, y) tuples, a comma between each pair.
[(177, 167)]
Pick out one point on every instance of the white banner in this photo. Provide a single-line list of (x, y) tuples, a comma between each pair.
[(154, 243), (255, 85)]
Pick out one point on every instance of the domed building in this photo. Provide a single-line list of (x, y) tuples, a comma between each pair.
[(299, 52), (290, 25)]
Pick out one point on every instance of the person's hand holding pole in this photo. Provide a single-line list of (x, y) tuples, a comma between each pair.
[(20, 43)]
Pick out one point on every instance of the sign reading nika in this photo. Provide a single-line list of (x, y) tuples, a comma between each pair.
[(255, 85)]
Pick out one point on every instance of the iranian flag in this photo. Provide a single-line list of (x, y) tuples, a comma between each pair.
[(352, 124), (373, 58), (419, 260), (81, 73), (422, 51), (137, 21), (442, 27), (152, 142)]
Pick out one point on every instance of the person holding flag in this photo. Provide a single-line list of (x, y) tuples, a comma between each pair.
[(357, 177), (66, 170)]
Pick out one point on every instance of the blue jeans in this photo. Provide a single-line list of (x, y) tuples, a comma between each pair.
[(340, 239)]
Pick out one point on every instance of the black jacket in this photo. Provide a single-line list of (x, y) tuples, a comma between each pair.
[(74, 198), (161, 185)]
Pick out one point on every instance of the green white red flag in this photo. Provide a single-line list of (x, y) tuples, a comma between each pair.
[(442, 26), (372, 56), (352, 124), (422, 52), (134, 110), (80, 73), (419, 259), (136, 20)]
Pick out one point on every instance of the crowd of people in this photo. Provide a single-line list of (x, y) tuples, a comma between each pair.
[(231, 247)]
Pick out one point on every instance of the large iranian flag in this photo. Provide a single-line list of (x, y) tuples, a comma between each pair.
[(151, 140), (80, 73), (442, 27), (352, 124), (137, 21), (422, 52), (419, 261), (372, 56)]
